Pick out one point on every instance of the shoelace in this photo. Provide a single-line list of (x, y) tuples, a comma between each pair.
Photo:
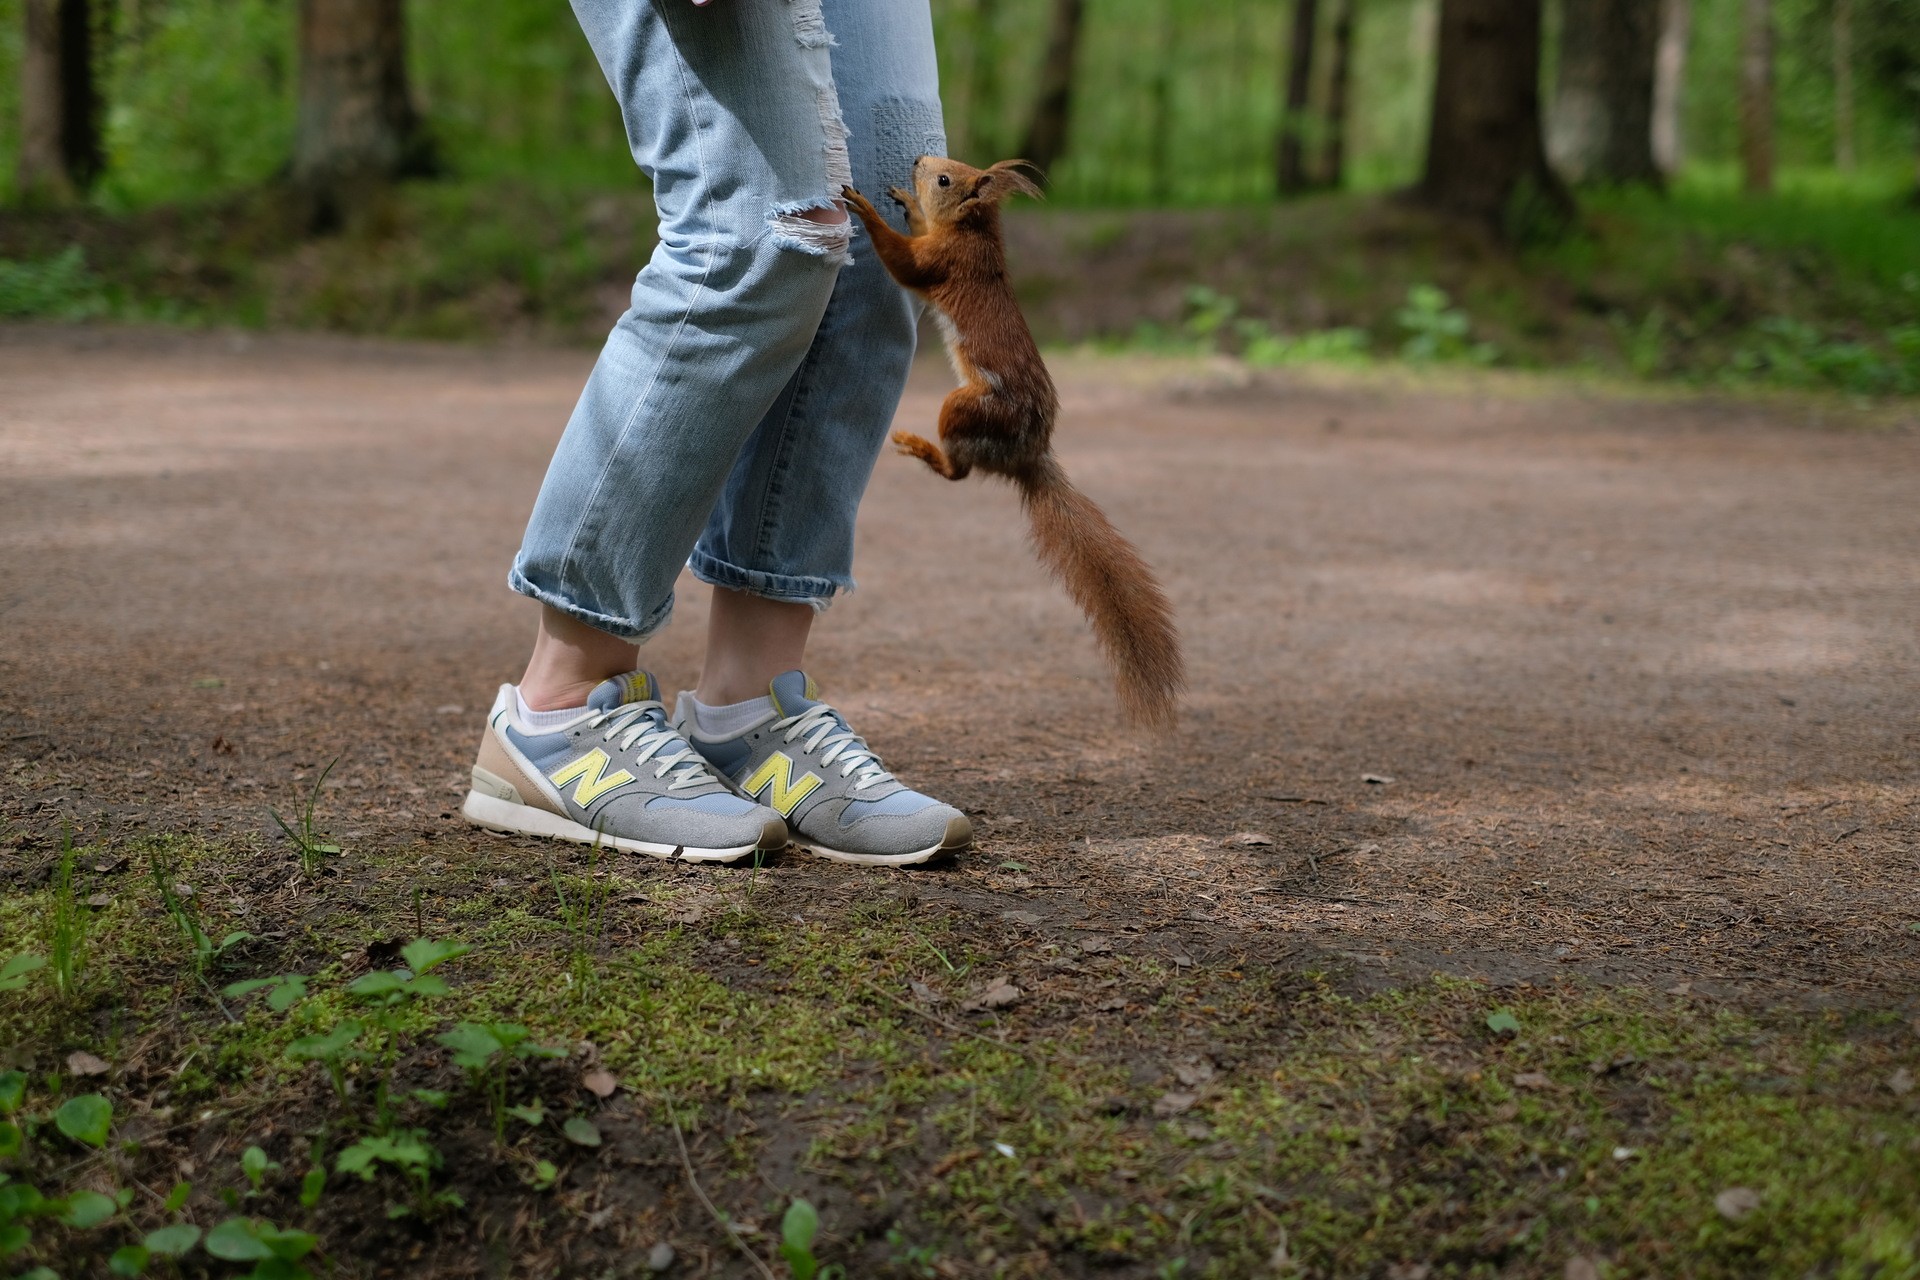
[(638, 723), (817, 724)]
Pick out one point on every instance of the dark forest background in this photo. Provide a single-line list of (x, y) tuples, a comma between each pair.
[(1704, 188)]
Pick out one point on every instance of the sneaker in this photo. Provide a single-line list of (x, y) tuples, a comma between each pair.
[(618, 775), (804, 761)]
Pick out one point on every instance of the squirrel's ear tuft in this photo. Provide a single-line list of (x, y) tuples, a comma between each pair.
[(1013, 181)]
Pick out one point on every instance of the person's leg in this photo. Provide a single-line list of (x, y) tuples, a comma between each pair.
[(780, 544), (750, 640), (731, 110), (784, 526)]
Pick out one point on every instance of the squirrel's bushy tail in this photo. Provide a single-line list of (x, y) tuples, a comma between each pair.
[(1113, 586)]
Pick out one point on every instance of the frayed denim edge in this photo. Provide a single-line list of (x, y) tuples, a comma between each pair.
[(519, 582), (817, 592)]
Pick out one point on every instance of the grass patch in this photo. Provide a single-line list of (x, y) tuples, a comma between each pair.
[(1123, 1115)]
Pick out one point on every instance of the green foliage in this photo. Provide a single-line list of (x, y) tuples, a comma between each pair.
[(313, 846), (582, 903), (86, 1118), (1792, 353), (163, 870), (199, 98), (1437, 330), (487, 1051), (16, 971), (408, 1153), (283, 991), (66, 924), (58, 288), (798, 1227)]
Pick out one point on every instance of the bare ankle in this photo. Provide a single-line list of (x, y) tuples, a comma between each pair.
[(569, 659)]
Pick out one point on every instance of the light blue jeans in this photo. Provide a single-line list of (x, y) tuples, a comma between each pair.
[(734, 417)]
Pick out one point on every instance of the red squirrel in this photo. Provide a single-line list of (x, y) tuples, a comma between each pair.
[(1000, 418)]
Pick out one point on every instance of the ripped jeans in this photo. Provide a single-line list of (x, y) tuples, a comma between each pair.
[(734, 417)]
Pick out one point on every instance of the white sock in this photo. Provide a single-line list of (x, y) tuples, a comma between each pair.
[(725, 722), (543, 721)]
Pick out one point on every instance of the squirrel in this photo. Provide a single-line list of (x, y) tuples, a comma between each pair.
[(1000, 418)]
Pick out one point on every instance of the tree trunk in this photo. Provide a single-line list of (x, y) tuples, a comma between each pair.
[(1669, 78), (1756, 98), (60, 145), (1333, 145), (1485, 157), (1601, 126), (1046, 140), (356, 126), (1290, 155), (1843, 153)]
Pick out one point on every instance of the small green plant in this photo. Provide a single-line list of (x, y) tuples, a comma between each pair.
[(408, 1152), (163, 870), (582, 904), (66, 924), (487, 1052), (797, 1231), (275, 1251), (1437, 330), (87, 1120), (312, 846), (919, 1259), (1264, 348), (283, 990), (15, 973), (59, 288)]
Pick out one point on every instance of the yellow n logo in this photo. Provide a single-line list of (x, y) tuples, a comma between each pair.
[(775, 776), (595, 781)]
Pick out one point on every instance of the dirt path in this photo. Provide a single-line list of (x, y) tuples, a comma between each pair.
[(1645, 676)]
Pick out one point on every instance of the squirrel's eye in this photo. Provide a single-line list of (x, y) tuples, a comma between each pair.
[(945, 181)]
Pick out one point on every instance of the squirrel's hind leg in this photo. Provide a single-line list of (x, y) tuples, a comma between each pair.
[(928, 452)]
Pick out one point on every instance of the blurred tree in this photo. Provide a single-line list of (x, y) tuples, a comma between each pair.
[(1888, 33), (60, 149), (1601, 126), (1843, 133), (1485, 157), (356, 126), (1290, 165), (1332, 169), (1669, 82), (1756, 97), (1046, 140)]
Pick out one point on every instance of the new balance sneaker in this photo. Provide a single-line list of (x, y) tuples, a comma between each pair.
[(804, 761), (617, 775)]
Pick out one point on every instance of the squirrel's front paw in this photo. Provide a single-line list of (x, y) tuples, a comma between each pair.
[(857, 202), (902, 198)]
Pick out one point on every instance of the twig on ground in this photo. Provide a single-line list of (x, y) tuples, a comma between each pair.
[(686, 1163)]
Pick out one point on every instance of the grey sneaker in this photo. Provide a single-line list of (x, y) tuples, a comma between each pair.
[(807, 764), (617, 776)]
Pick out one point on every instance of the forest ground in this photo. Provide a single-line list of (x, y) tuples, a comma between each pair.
[(1510, 697)]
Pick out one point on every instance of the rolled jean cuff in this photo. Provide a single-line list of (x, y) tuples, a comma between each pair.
[(818, 592), (625, 628)]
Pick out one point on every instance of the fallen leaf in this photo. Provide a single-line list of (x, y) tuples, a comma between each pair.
[(689, 914), (660, 1257), (600, 1083), (1736, 1203), (1096, 945), (923, 992), (1248, 839), (1113, 1004), (1680, 989), (1376, 779), (1532, 1080), (1028, 918), (1901, 1081), (107, 866), (1174, 1104), (1579, 1268), (1183, 960), (100, 900), (82, 1063), (997, 994)]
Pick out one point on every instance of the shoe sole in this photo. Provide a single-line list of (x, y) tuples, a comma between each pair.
[(510, 818), (958, 836)]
